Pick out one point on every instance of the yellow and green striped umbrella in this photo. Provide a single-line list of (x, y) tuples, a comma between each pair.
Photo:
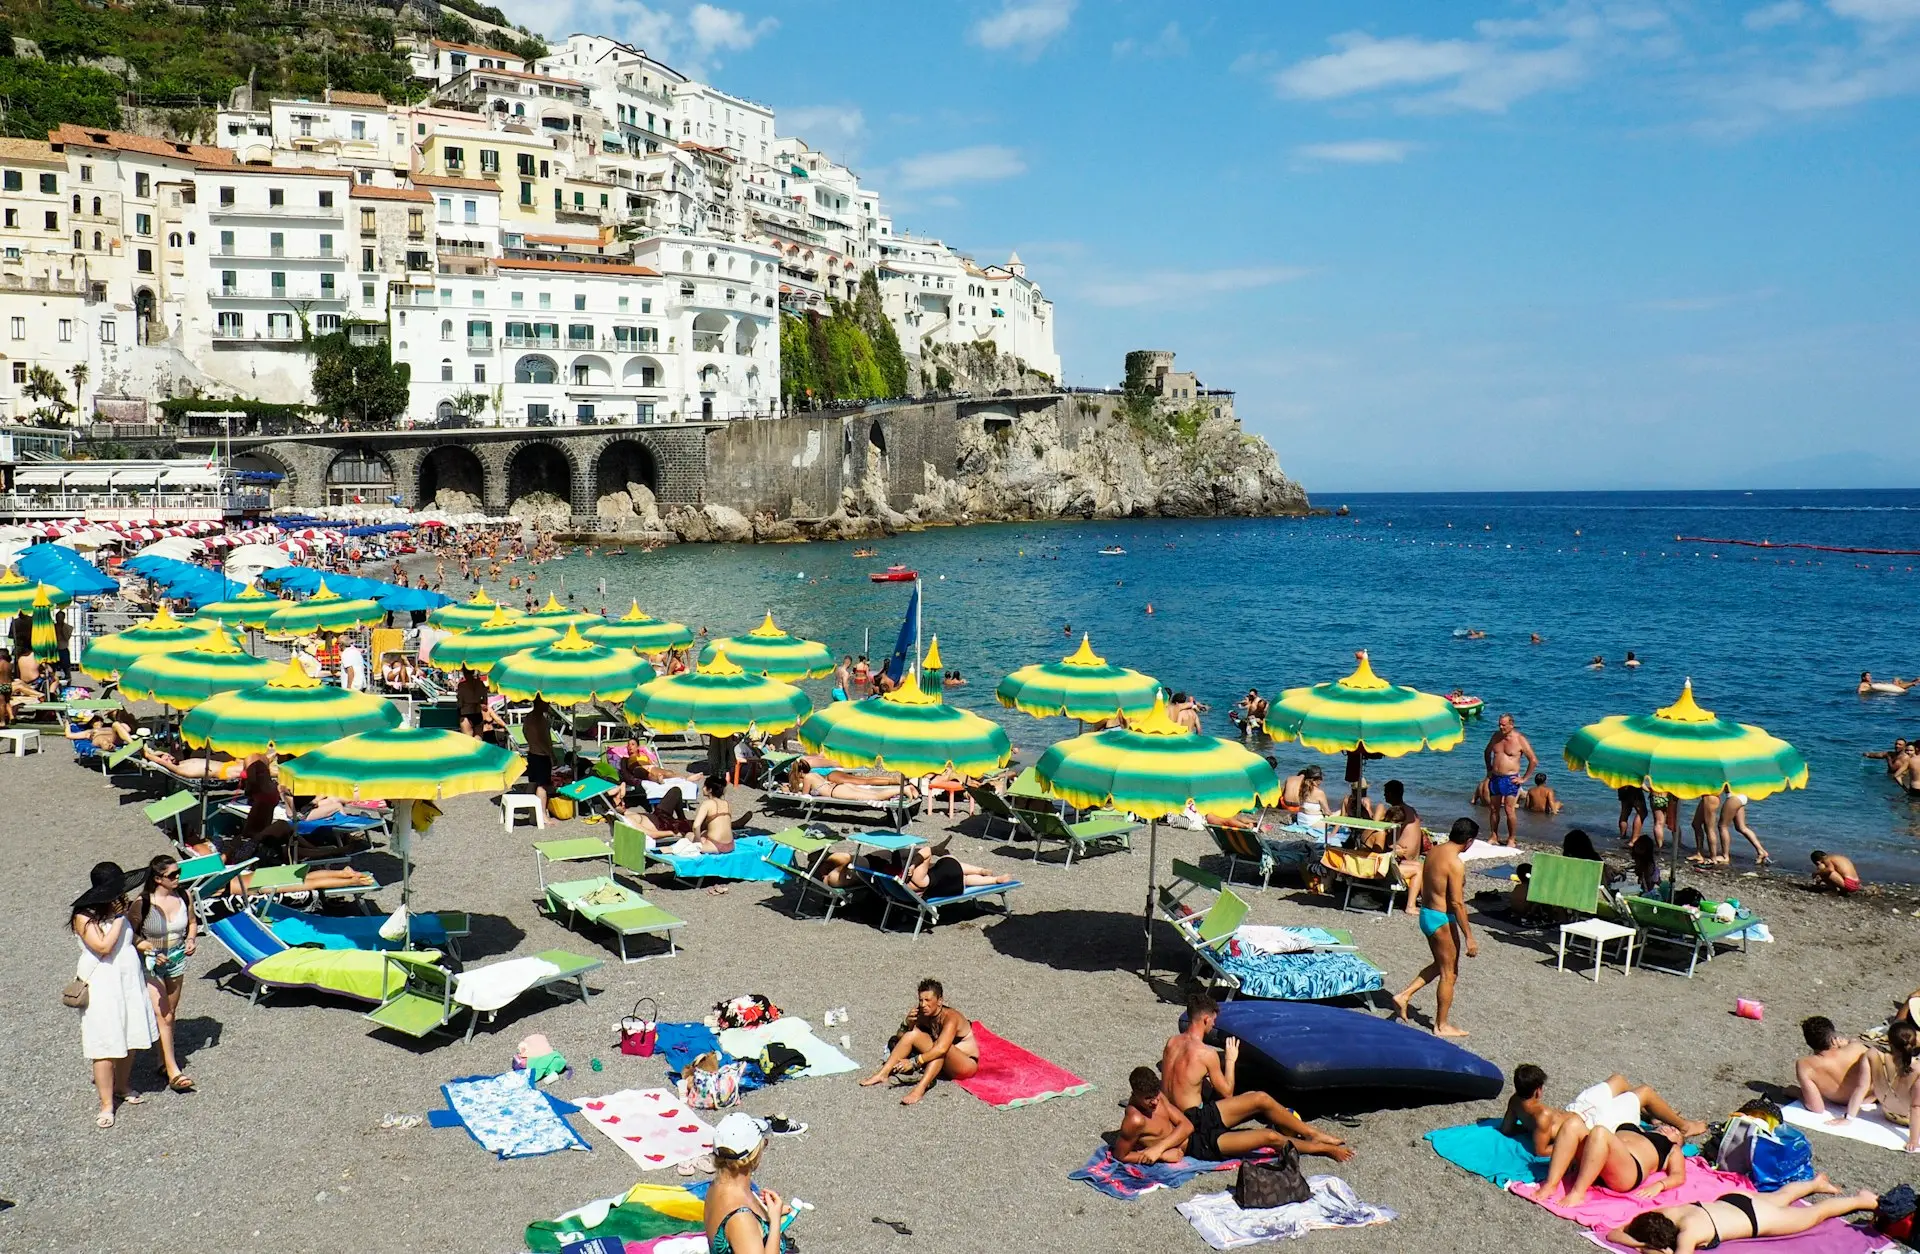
[(324, 611), (250, 608), (1081, 685), (475, 613), (106, 656), (1155, 768), (1364, 709), (907, 730), (718, 700), (635, 630), (402, 764), (45, 640), (559, 617), (478, 648), (186, 677), (766, 650), (571, 671), (17, 594), (291, 713), (1684, 750)]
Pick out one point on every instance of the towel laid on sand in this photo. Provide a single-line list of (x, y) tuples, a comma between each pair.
[(653, 1126), (1263, 938), (1224, 1226), (1128, 1181), (1010, 1076), (1483, 1149), (681, 1043), (1604, 1210), (1869, 1127), (1486, 851), (1835, 1236), (743, 863), (795, 1033), (505, 1114), (497, 984), (1302, 977)]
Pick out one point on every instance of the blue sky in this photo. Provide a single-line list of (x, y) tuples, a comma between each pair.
[(1479, 244)]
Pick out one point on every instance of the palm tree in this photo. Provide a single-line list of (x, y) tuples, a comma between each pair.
[(79, 374), (44, 386)]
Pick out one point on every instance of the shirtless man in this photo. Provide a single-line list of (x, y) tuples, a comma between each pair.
[(470, 694), (1559, 1133), (1540, 798), (1185, 711), (1153, 1129), (1831, 1073), (1836, 871), (1890, 756), (1443, 917), (1189, 1065), (1409, 841), (1504, 753)]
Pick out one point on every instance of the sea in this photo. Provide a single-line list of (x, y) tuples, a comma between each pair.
[(1775, 637)]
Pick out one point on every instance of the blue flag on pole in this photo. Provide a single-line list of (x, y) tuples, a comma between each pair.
[(903, 655)]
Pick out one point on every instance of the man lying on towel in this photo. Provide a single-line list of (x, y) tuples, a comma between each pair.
[(1189, 1065), (1602, 1128)]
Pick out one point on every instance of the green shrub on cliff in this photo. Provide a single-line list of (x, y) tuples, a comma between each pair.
[(872, 316), (40, 96), (829, 358)]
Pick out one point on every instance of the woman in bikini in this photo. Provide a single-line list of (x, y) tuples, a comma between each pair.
[(1738, 1217), (933, 873), (739, 1219), (164, 929), (808, 782), (1625, 1158), (933, 1036), (713, 818)]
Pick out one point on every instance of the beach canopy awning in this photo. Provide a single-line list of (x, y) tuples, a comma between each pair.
[(478, 648), (720, 699), (324, 611), (184, 678), (292, 713), (635, 630), (475, 613), (909, 730), (769, 651), (1687, 751), (1365, 711), (106, 656), (1081, 685), (571, 671)]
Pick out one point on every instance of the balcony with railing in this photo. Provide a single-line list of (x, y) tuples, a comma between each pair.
[(617, 344), (709, 341), (512, 340), (479, 343)]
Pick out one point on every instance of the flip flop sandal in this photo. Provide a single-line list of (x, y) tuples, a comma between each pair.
[(132, 1099), (894, 1224), (180, 1083), (103, 1120)]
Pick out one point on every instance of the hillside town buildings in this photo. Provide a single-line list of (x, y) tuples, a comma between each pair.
[(588, 237)]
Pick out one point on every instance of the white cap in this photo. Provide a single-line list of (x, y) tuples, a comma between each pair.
[(738, 1135)]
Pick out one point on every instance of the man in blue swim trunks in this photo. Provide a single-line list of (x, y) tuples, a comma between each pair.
[(1505, 774), (1443, 917)]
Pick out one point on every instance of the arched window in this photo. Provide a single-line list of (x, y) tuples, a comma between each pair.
[(686, 260), (96, 206), (77, 243), (446, 370), (713, 263), (76, 205), (446, 328), (173, 239), (533, 368), (96, 241)]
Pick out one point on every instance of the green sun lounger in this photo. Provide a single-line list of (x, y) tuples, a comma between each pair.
[(423, 1001), (573, 849), (1088, 833), (584, 792), (805, 848), (1680, 928), (172, 809), (608, 903), (1564, 883)]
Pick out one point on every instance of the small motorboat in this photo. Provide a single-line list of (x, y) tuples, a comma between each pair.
[(894, 574), (1464, 705), (1113, 550)]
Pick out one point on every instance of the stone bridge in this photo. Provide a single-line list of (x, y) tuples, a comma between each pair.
[(786, 467)]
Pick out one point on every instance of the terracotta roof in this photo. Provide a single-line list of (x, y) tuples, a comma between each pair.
[(362, 191), (360, 99), (443, 180), (30, 150), (485, 52), (577, 267), (288, 171), (86, 137)]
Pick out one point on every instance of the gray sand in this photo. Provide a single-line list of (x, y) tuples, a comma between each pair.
[(281, 1147)]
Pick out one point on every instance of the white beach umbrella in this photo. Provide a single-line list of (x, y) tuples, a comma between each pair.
[(246, 561)]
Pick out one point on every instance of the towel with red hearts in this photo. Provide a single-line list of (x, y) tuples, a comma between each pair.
[(653, 1126)]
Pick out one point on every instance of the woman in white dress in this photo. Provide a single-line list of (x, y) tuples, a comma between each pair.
[(119, 1019)]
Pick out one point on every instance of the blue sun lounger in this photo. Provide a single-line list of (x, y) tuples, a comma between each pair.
[(926, 910)]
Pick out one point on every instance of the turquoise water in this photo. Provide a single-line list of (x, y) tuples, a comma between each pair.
[(1774, 638)]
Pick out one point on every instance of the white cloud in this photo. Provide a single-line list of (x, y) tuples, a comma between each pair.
[(1366, 64), (837, 129), (1768, 16), (1026, 27), (1357, 151), (714, 29), (1167, 44), (1877, 12), (981, 163), (1183, 287)]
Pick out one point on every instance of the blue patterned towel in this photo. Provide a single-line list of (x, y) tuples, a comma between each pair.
[(505, 1114), (1303, 976)]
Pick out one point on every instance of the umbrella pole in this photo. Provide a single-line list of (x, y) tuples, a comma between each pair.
[(403, 836), (1153, 855)]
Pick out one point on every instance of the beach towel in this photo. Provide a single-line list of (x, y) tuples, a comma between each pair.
[(681, 1043), (1486, 851), (631, 1222), (653, 1126), (1483, 1149), (1835, 1236), (1224, 1226), (1604, 1210), (1128, 1181), (508, 1116), (348, 931), (1302, 977), (1010, 1076), (1869, 1127), (1261, 938), (743, 863), (497, 984), (795, 1033)]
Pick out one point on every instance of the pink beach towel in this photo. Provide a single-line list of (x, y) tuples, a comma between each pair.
[(653, 1126), (1835, 1236), (1010, 1076), (1604, 1210)]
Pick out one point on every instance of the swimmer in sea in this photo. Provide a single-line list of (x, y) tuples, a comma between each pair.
[(1631, 661), (1868, 684), (1535, 639), (1598, 664), (1474, 633), (1066, 629), (1149, 609)]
